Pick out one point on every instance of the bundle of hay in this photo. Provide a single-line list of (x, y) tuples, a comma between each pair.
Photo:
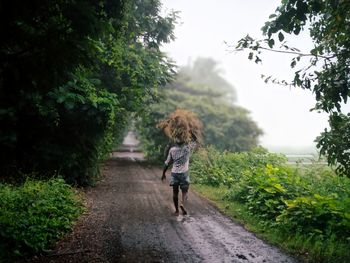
[(182, 126)]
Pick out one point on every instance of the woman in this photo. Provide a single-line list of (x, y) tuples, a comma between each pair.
[(179, 157)]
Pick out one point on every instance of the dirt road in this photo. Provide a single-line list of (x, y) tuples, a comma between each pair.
[(130, 220)]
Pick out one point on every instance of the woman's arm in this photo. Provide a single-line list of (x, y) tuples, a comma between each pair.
[(164, 171), (167, 163)]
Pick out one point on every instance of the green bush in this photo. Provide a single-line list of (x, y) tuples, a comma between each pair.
[(89, 118), (311, 201), (212, 167), (34, 215), (264, 190), (323, 216)]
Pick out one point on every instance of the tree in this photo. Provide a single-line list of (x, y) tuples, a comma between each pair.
[(205, 72), (71, 72), (327, 73), (226, 126)]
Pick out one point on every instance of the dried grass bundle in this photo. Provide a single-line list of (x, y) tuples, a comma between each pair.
[(182, 126)]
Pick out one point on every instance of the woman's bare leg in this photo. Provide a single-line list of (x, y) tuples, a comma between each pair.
[(184, 197), (184, 191), (176, 199)]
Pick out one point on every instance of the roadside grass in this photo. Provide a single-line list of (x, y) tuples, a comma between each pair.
[(303, 247)]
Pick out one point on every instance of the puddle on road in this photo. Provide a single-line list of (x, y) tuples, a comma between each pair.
[(185, 219)]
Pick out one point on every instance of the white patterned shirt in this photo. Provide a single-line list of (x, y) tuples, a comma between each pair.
[(179, 155)]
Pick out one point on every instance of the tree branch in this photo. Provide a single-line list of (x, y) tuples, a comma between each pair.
[(296, 53)]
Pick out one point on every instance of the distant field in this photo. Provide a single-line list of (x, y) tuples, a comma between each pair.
[(299, 154), (293, 150), (305, 159)]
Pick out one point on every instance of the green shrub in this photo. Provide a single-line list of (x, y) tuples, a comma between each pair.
[(212, 167), (263, 190), (323, 216), (205, 168), (311, 201), (34, 215)]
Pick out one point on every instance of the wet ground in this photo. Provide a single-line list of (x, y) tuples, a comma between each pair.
[(130, 220)]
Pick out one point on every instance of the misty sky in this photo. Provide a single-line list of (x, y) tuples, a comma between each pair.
[(283, 113)]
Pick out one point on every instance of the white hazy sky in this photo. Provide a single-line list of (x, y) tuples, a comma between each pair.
[(281, 112)]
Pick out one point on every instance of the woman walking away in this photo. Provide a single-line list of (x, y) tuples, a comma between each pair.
[(184, 128)]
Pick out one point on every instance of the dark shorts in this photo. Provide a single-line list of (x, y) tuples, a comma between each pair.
[(180, 179)]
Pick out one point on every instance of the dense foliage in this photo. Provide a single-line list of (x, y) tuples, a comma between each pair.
[(326, 73), (34, 215), (70, 74), (307, 201), (201, 89)]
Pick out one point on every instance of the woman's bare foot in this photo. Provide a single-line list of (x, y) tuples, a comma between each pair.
[(184, 212), (176, 213)]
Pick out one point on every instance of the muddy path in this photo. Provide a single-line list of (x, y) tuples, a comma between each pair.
[(129, 220)]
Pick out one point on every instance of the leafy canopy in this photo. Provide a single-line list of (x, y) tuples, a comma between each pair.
[(71, 73), (328, 70)]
